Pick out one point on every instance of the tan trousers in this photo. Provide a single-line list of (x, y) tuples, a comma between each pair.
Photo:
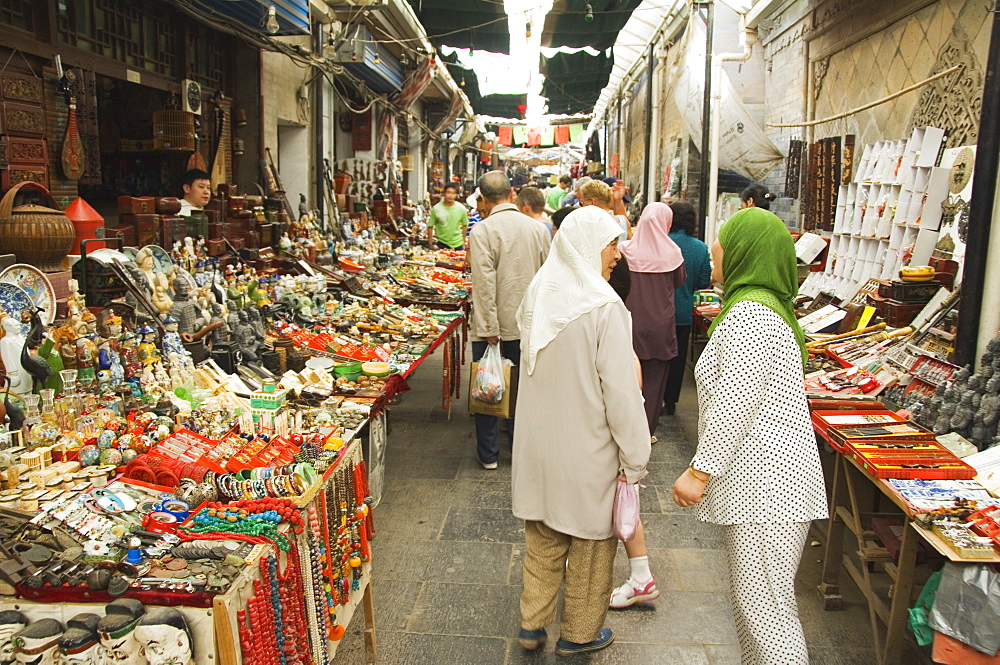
[(587, 567)]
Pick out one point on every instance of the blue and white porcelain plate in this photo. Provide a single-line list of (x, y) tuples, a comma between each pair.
[(38, 287), (162, 262), (13, 300)]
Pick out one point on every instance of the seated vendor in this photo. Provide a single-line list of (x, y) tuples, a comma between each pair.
[(197, 191)]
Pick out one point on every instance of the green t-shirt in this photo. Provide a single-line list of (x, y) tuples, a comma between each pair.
[(448, 223), (554, 197)]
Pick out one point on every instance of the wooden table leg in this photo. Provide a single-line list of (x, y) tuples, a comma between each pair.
[(899, 610), (852, 475), (371, 653), (829, 587)]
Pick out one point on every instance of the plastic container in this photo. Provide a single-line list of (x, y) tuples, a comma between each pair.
[(376, 369), (350, 371)]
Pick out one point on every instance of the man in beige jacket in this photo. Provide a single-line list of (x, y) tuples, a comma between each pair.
[(506, 249)]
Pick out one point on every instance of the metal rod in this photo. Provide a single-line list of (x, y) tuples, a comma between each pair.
[(319, 137), (706, 118), (647, 191), (984, 186)]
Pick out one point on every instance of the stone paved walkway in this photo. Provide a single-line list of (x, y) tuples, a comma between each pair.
[(448, 558)]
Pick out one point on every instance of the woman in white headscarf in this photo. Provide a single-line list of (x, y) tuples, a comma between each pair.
[(580, 425)]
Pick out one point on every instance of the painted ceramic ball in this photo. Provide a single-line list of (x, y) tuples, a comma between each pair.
[(111, 457), (106, 439), (116, 425), (164, 421), (143, 420), (128, 455), (125, 441), (142, 443), (89, 455), (161, 432)]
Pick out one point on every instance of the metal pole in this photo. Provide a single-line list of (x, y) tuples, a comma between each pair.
[(984, 186), (647, 193), (319, 133), (706, 118)]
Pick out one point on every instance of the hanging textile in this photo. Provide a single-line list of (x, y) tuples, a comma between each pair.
[(520, 135), (548, 136), (416, 83), (387, 135), (576, 133), (561, 134), (505, 135), (534, 137), (743, 145), (453, 112)]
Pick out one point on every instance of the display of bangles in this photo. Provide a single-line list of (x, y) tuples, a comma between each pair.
[(288, 481)]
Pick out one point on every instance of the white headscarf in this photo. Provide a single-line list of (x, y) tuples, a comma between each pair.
[(569, 284)]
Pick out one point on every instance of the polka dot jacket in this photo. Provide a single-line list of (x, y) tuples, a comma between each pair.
[(754, 433)]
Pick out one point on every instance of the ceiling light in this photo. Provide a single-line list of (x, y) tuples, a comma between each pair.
[(527, 30), (590, 13), (271, 25)]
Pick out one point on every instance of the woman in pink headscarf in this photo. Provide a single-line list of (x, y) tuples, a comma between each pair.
[(657, 267)]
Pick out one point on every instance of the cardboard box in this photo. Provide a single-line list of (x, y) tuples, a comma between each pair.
[(505, 407)]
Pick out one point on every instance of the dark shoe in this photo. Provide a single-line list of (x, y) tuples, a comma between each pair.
[(567, 648), (532, 639), (670, 409)]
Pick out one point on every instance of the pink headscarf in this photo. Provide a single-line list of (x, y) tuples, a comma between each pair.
[(651, 249)]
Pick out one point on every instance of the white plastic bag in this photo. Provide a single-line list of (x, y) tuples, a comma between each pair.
[(626, 510), (488, 384)]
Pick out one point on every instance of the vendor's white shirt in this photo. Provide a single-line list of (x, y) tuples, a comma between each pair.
[(188, 208)]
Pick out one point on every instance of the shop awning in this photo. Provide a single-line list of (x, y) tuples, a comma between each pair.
[(292, 15), (573, 81), (476, 24), (465, 78), (502, 106), (566, 23)]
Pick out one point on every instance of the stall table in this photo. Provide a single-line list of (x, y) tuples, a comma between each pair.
[(853, 488)]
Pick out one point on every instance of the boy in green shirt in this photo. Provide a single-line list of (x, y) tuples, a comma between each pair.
[(448, 221), (554, 197)]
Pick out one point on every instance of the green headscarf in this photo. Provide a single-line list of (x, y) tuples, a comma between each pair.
[(759, 265)]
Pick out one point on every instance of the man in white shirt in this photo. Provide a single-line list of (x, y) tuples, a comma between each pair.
[(197, 191), (506, 249)]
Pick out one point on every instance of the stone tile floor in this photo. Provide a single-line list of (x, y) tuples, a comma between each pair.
[(448, 553)]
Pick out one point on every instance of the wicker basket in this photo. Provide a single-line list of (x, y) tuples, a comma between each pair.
[(35, 234)]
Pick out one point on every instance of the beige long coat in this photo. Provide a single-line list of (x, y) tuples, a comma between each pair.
[(580, 419)]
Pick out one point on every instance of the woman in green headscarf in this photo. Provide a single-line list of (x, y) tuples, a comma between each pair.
[(757, 471)]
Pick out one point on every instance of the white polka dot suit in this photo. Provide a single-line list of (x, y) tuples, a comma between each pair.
[(756, 441)]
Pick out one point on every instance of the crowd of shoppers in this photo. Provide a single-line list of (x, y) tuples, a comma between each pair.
[(599, 328)]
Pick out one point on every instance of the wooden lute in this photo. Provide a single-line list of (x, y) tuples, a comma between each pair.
[(72, 147)]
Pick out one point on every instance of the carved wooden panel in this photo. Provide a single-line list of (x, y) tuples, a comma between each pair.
[(16, 173), (23, 119), (25, 151), (793, 172), (21, 88)]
